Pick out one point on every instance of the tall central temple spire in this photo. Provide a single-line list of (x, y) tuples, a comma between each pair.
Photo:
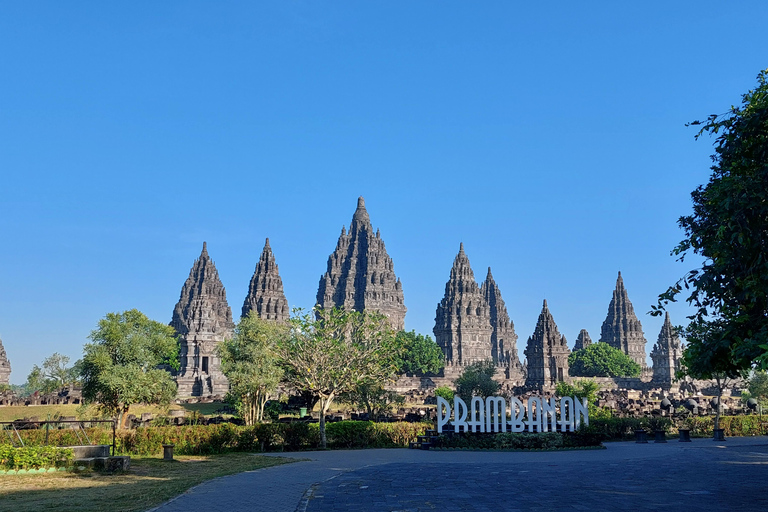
[(547, 353), (361, 274), (621, 328)]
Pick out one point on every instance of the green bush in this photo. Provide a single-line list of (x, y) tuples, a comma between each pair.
[(34, 457), (212, 439), (518, 441), (445, 392)]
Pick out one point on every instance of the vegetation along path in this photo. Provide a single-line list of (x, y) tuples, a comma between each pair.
[(702, 475)]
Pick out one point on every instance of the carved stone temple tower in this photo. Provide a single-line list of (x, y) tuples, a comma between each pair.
[(621, 328), (203, 319), (265, 293), (583, 340), (361, 274), (503, 337), (463, 319), (547, 353), (5, 366), (666, 355)]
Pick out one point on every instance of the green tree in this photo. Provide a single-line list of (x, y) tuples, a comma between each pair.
[(119, 366), (330, 352), (445, 392), (601, 360), (53, 374), (250, 361), (420, 354), (758, 388), (477, 380), (583, 388), (728, 230), (373, 398)]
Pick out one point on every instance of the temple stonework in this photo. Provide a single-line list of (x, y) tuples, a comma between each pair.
[(463, 327), (361, 274), (582, 341), (621, 328), (503, 337), (203, 319), (5, 366), (265, 293), (546, 353), (666, 355)]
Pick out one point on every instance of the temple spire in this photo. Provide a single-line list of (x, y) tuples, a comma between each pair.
[(265, 292), (503, 337), (360, 274), (202, 318), (621, 328), (546, 353), (5, 366)]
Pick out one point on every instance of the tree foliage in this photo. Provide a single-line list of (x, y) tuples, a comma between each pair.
[(250, 361), (373, 398), (728, 229), (330, 352), (120, 364), (53, 374), (420, 354), (477, 380), (758, 388), (601, 360)]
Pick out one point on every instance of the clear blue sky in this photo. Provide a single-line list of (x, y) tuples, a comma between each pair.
[(550, 140)]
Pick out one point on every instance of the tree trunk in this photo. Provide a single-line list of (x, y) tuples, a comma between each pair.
[(719, 393), (325, 404), (124, 416)]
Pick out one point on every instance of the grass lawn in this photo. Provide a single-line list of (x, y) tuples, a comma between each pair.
[(149, 482)]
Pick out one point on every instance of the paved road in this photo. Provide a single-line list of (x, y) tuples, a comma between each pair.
[(702, 475)]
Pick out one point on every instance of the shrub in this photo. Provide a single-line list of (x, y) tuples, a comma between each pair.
[(34, 457), (518, 441), (445, 392)]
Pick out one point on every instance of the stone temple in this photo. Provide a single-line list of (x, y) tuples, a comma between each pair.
[(203, 319), (666, 355), (472, 323), (5, 366), (361, 274), (547, 353), (582, 340), (621, 328), (265, 293)]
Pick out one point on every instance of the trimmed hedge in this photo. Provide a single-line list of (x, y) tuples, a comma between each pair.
[(212, 439), (616, 429), (34, 457), (518, 441)]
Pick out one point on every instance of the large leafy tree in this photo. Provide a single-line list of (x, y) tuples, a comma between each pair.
[(250, 361), (53, 374), (728, 229), (120, 365), (330, 352), (601, 360), (420, 354), (477, 380)]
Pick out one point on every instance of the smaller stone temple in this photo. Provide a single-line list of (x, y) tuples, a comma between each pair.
[(361, 275), (5, 366), (582, 341), (265, 293), (546, 353), (621, 328), (666, 356), (203, 319)]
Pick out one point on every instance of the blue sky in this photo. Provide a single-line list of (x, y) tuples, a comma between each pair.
[(549, 139)]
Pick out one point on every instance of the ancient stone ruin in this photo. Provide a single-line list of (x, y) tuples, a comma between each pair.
[(621, 328), (666, 356), (472, 324), (203, 319), (5, 366), (265, 293), (463, 318), (582, 340), (361, 274), (547, 353)]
